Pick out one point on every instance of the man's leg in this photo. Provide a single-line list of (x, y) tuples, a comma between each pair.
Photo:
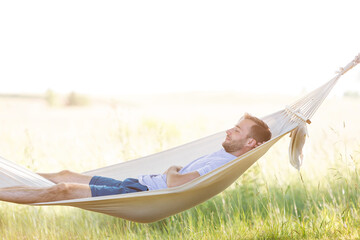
[(61, 191), (67, 176)]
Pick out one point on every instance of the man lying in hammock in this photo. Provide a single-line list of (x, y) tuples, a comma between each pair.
[(247, 134)]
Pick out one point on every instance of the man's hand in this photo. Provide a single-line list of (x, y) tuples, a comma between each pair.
[(174, 178), (173, 168)]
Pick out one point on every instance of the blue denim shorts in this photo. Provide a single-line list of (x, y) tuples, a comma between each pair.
[(102, 186)]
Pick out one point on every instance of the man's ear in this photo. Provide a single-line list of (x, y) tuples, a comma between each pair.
[(251, 142)]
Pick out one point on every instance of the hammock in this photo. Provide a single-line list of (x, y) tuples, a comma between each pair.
[(154, 205)]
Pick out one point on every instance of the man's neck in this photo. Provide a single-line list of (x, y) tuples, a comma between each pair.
[(239, 153)]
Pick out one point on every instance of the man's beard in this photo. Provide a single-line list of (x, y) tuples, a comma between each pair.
[(232, 146)]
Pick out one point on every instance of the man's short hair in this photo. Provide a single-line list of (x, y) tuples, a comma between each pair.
[(260, 131)]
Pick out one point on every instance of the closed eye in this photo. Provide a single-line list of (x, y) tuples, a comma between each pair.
[(237, 129)]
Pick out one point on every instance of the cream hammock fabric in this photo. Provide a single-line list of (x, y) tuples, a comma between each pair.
[(152, 206)]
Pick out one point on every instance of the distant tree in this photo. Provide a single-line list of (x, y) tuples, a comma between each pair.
[(75, 99), (52, 98)]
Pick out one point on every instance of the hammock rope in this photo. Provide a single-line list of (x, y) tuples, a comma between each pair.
[(154, 205)]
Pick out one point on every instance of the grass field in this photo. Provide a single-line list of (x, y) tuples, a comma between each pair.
[(271, 200)]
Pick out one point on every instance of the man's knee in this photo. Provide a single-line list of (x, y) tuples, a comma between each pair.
[(65, 173), (62, 191), (60, 188), (56, 192)]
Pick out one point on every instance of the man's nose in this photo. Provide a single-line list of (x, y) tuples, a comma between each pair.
[(228, 132)]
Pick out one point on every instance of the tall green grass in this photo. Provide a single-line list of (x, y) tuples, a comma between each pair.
[(252, 208)]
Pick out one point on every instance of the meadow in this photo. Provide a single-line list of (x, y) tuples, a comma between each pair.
[(271, 200)]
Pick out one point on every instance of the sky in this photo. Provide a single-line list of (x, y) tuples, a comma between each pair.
[(140, 47)]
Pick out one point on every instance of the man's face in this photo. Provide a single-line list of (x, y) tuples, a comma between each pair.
[(237, 136)]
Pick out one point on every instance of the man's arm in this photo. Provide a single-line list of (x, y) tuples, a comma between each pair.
[(174, 178)]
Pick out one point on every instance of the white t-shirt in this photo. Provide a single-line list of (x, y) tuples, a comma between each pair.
[(203, 165)]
